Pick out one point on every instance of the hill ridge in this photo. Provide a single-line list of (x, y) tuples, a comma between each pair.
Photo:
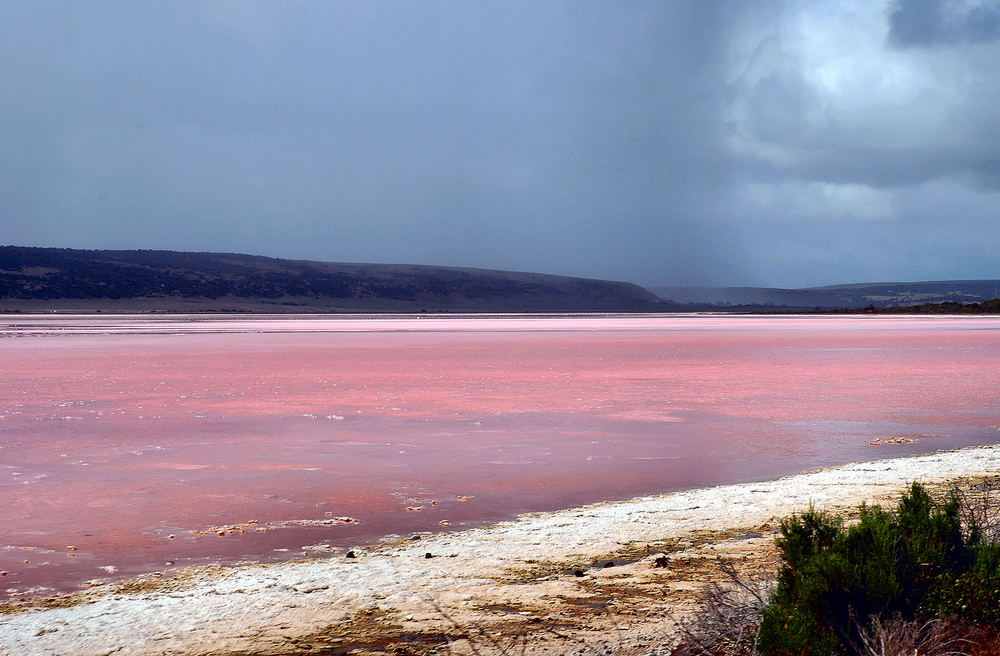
[(34, 278)]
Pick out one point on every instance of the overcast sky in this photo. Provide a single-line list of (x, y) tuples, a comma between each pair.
[(670, 142)]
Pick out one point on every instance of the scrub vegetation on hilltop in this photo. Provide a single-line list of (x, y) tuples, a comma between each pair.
[(947, 307)]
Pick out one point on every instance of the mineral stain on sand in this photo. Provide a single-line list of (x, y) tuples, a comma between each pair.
[(139, 441)]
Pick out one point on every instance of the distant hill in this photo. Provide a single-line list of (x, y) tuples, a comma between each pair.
[(39, 279), (855, 296), (948, 307)]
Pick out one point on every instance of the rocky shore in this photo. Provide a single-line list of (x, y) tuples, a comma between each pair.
[(605, 578)]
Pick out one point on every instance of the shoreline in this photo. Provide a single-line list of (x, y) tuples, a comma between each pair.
[(587, 570)]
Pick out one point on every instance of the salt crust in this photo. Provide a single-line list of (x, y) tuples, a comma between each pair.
[(248, 607)]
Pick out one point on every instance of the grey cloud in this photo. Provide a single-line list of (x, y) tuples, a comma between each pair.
[(654, 142), (937, 22), (570, 137), (883, 168), (867, 115)]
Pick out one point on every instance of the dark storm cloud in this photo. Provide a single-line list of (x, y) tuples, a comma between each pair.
[(680, 142), (932, 22), (568, 137)]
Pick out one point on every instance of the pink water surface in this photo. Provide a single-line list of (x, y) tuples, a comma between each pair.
[(116, 433)]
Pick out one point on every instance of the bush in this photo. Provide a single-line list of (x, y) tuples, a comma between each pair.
[(916, 563)]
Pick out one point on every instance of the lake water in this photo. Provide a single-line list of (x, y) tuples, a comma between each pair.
[(138, 441)]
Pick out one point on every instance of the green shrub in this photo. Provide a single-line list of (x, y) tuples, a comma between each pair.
[(916, 562)]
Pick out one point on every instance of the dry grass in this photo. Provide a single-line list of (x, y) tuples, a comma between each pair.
[(728, 614), (934, 637), (980, 505)]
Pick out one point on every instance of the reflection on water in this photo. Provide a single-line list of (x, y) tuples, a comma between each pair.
[(184, 440)]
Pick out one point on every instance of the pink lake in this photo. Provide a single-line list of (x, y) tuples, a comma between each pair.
[(119, 432)]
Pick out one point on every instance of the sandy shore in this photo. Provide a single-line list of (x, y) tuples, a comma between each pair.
[(562, 581)]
